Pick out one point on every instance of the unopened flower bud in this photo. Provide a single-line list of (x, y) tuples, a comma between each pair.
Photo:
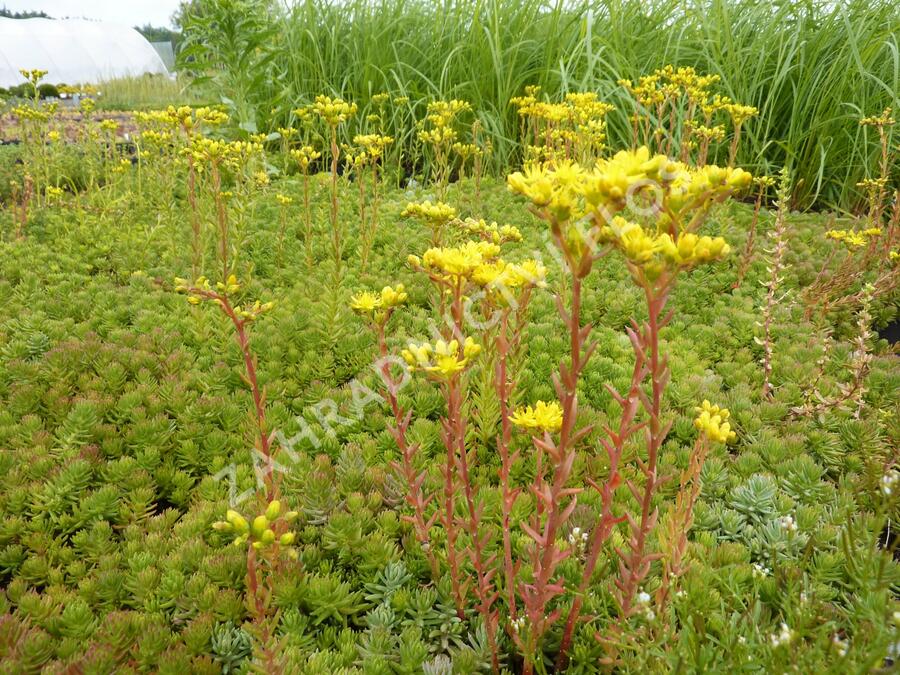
[(273, 510)]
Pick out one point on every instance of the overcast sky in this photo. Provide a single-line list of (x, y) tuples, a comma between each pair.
[(128, 12)]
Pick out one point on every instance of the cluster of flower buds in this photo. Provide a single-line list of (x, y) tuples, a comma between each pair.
[(492, 232), (711, 421), (260, 533), (305, 156), (202, 290), (34, 76), (333, 110), (436, 213)]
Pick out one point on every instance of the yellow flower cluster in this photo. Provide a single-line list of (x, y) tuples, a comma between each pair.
[(260, 532), (654, 250), (201, 290), (711, 421), (466, 150), (574, 126), (373, 144), (671, 84), (497, 234), (234, 154), (181, 117), (379, 305), (854, 238), (437, 127), (456, 262), (443, 359), (305, 156), (437, 213), (34, 76), (500, 275), (885, 119), (542, 417), (30, 113), (477, 262), (740, 113), (569, 191), (578, 107), (333, 110), (764, 182), (284, 200)]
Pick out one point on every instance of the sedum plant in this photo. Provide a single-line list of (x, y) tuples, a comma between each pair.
[(583, 208)]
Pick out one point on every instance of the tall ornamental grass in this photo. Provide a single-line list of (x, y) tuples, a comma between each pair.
[(812, 68)]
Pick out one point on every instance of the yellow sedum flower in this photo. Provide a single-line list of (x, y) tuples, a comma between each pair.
[(365, 302), (333, 110), (443, 359), (379, 305), (711, 421), (542, 417), (437, 213), (458, 262)]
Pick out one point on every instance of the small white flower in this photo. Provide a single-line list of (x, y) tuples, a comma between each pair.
[(804, 597), (518, 624), (783, 637), (643, 598), (888, 481), (650, 614), (788, 523), (759, 571), (840, 645), (742, 640)]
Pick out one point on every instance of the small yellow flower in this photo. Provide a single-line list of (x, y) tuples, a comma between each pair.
[(365, 302), (542, 417)]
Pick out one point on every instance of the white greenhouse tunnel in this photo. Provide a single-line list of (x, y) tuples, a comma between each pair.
[(74, 51)]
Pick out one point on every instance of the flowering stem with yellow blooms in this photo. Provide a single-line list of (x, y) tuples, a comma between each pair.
[(334, 112), (556, 501), (712, 423), (566, 195), (200, 291), (378, 309)]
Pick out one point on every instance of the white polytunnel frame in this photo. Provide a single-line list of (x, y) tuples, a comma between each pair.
[(74, 51)]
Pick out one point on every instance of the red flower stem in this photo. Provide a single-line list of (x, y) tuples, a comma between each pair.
[(414, 480), (506, 461), (602, 530), (559, 500), (635, 567), (259, 399)]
